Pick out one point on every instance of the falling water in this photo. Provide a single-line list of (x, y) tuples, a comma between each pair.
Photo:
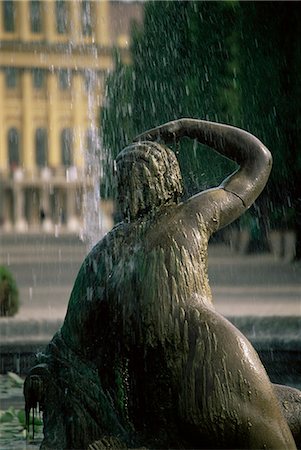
[(91, 195), (93, 219)]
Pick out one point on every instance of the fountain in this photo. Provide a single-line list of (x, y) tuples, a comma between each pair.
[(143, 358)]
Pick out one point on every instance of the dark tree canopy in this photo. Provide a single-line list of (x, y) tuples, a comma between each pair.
[(270, 85), (233, 62)]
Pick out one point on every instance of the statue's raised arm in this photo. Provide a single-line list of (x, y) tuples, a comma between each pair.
[(253, 158)]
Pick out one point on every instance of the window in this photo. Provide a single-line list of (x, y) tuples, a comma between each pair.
[(41, 144), (86, 18), (11, 77), (38, 78), (13, 148), (35, 16), (61, 11), (64, 79), (8, 15), (66, 147)]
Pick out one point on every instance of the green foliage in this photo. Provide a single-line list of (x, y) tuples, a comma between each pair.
[(12, 420), (184, 64), (180, 69), (9, 295), (282, 217), (117, 113), (11, 415), (222, 61), (13, 429), (7, 416), (15, 379), (270, 89), (117, 121), (183, 61), (261, 83), (271, 85)]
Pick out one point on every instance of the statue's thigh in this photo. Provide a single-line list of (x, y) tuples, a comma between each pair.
[(226, 394)]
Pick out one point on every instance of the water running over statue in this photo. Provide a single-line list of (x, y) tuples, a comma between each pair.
[(143, 358)]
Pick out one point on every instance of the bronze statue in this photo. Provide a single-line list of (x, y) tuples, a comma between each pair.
[(143, 358)]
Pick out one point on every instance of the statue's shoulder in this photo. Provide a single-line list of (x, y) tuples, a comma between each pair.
[(108, 245), (116, 233), (99, 260)]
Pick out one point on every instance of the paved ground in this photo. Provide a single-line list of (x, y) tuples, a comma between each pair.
[(45, 269), (255, 284)]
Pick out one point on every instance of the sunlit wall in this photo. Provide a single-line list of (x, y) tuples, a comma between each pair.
[(54, 57)]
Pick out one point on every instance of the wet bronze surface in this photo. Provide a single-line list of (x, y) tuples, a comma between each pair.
[(142, 356)]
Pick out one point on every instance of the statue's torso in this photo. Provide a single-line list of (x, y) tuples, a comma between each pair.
[(159, 269), (145, 273), (141, 313)]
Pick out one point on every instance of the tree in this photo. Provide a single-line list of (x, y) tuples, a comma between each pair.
[(9, 294), (116, 120), (173, 75), (222, 61), (270, 83)]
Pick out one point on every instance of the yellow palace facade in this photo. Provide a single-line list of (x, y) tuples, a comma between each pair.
[(54, 57)]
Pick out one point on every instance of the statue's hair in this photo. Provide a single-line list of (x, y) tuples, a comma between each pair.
[(148, 176)]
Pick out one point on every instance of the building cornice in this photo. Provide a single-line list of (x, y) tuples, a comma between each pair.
[(58, 55)]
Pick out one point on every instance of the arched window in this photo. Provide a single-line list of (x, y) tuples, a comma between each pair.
[(64, 79), (67, 147), (41, 144), (8, 15), (35, 16), (38, 76), (11, 77), (62, 19), (13, 141), (86, 17)]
